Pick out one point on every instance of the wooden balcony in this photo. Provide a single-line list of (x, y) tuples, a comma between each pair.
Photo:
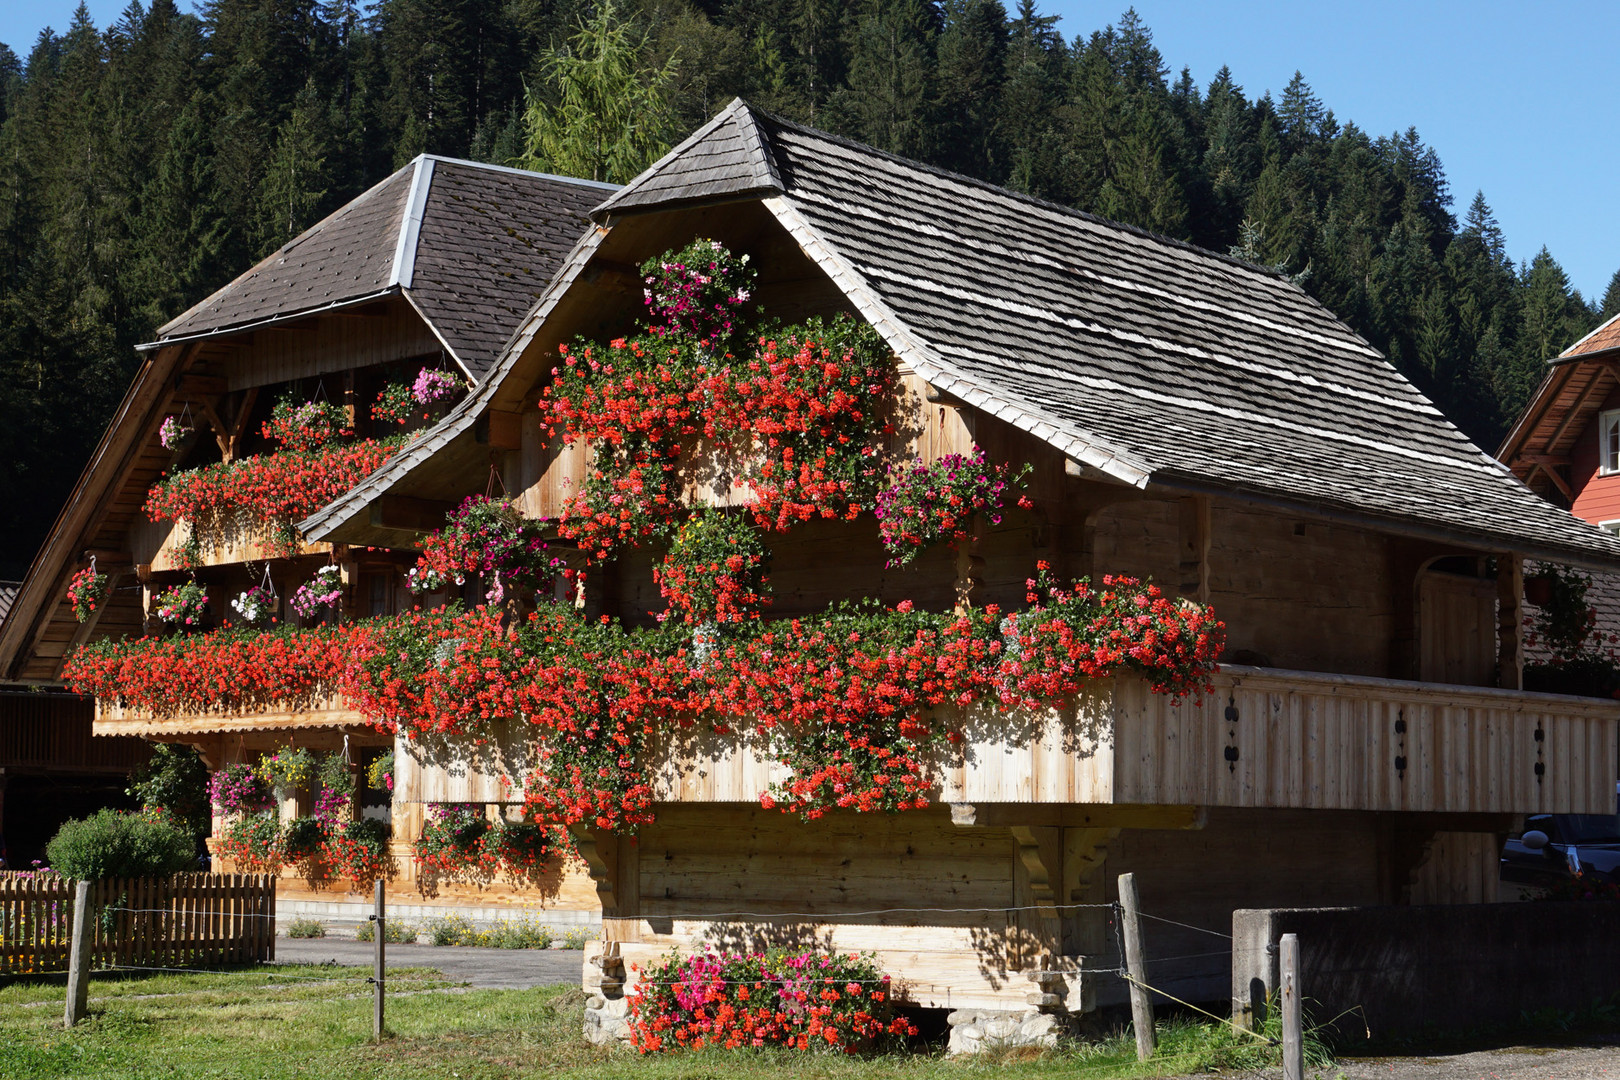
[(1264, 738), (323, 712)]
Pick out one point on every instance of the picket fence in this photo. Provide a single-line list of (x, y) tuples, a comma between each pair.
[(182, 921)]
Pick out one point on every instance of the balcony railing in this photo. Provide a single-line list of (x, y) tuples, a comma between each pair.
[(1264, 738)]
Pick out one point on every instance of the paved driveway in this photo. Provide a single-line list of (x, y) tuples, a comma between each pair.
[(504, 969)]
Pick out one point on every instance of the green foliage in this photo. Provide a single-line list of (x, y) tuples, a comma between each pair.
[(526, 933), (306, 928), (175, 781), (145, 164), (601, 112), (395, 932), (115, 844), (301, 838)]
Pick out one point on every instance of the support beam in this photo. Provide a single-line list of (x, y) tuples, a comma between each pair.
[(1195, 543), (406, 513), (1077, 816), (499, 429), (1510, 621)]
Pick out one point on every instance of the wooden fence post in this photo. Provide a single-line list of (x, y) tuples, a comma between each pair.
[(78, 987), (1293, 1035), (380, 918), (1141, 1003)]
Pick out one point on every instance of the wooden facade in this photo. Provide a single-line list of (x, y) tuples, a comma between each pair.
[(1365, 741)]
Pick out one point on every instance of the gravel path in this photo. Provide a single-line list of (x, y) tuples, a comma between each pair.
[(496, 969), (1599, 1060)]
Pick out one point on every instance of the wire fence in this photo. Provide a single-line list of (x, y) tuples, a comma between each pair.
[(141, 928)]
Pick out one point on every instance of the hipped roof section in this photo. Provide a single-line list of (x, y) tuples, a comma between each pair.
[(471, 246), (1145, 358)]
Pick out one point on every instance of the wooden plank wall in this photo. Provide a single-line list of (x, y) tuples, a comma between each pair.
[(746, 878), (53, 731), (375, 334), (1334, 742)]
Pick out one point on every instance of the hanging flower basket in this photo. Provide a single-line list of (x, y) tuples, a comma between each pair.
[(321, 592), (86, 592), (183, 606), (173, 432), (256, 606)]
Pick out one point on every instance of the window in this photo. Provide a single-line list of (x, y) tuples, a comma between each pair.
[(1611, 527), (1609, 442)]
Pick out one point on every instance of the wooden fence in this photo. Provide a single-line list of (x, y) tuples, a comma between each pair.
[(183, 921)]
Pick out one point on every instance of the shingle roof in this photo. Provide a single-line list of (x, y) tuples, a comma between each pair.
[(471, 245), (1602, 339), (1147, 358), (8, 593)]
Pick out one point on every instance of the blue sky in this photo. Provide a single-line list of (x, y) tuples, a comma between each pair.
[(1516, 98)]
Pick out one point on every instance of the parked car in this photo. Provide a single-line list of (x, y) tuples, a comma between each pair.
[(1555, 847)]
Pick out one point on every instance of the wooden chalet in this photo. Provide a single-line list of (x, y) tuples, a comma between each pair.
[(1191, 419), (434, 266)]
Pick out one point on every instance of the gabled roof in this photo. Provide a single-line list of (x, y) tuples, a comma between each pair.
[(1577, 383), (1146, 358), (471, 245)]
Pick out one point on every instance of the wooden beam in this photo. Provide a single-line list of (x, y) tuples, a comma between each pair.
[(499, 429), (1550, 473), (405, 513), (1195, 544), (199, 386), (1543, 459), (1510, 621), (1077, 815)]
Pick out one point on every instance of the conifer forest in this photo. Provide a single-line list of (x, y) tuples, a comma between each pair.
[(146, 163)]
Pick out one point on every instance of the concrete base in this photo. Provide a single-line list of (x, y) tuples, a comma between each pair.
[(974, 1031), (343, 917)]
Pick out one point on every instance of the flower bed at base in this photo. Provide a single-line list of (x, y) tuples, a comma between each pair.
[(802, 1001)]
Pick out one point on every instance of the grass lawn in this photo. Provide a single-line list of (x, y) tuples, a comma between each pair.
[(260, 1022)]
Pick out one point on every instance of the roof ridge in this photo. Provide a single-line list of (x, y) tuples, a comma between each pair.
[(532, 174), (410, 223), (761, 159)]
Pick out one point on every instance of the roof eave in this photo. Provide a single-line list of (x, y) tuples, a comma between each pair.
[(259, 324), (1327, 510)]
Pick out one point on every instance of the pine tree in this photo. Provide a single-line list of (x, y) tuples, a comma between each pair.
[(885, 100), (968, 80), (605, 115)]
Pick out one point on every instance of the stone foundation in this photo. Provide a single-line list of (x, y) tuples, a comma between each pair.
[(977, 1030)]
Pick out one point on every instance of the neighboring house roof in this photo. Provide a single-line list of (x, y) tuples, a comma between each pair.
[(8, 593), (1603, 339), (1578, 381), (1146, 358), (471, 245)]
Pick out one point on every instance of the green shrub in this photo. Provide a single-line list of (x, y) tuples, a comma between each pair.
[(454, 930), (577, 937), (306, 928), (518, 934), (396, 932), (115, 844), (175, 780), (301, 838)]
